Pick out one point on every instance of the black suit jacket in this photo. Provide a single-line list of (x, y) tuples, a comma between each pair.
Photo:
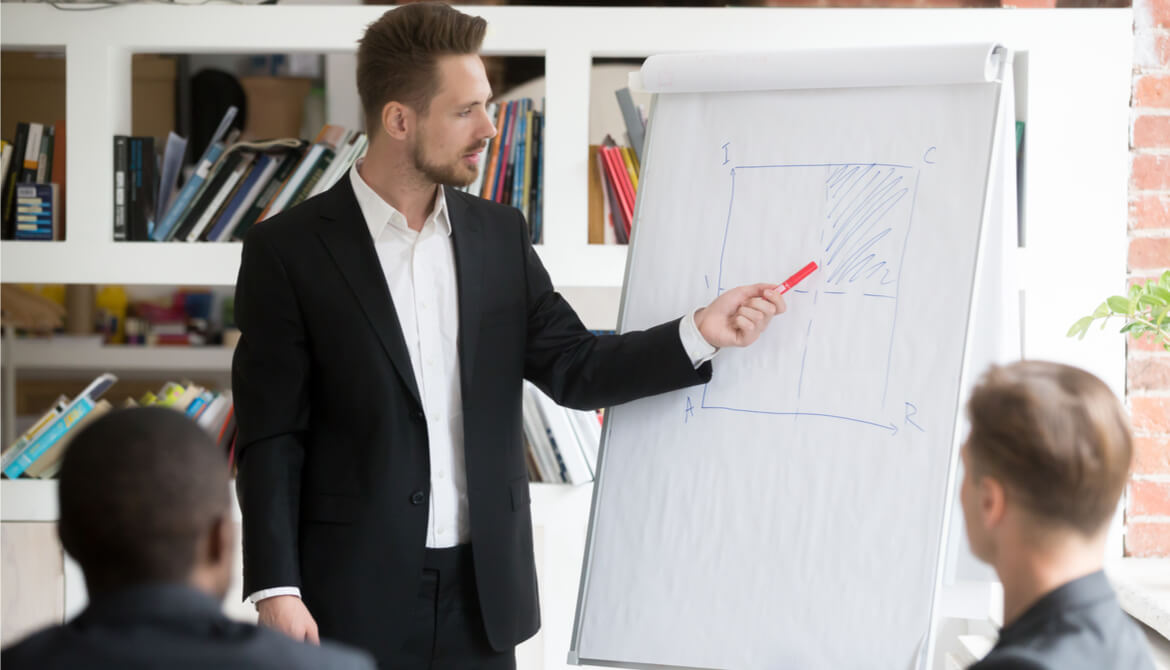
[(333, 455), (1079, 626), (169, 627)]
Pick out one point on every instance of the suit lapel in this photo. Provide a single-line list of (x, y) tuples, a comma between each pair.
[(348, 242), (467, 232)]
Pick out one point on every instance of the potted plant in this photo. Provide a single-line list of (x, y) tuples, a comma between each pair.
[(1145, 310)]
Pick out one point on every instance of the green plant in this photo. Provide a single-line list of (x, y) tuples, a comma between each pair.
[(1145, 310)]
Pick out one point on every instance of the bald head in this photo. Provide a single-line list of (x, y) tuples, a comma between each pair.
[(142, 493)]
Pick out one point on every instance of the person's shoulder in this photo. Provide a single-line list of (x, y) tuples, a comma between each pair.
[(32, 651), (283, 652), (1012, 659)]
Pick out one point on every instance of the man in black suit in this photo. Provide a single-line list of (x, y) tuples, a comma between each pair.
[(1046, 461), (144, 509), (387, 327)]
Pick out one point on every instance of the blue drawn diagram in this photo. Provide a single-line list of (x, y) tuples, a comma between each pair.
[(829, 356)]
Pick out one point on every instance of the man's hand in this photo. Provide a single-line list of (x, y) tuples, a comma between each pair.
[(736, 318), (288, 615)]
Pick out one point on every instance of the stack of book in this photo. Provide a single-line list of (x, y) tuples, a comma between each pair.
[(562, 443), (511, 166), (613, 179), (234, 184), (37, 453), (32, 170)]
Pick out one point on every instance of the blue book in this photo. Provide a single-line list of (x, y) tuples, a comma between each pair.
[(521, 144), (162, 231), (34, 212), (241, 195), (75, 412)]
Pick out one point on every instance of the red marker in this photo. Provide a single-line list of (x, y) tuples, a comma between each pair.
[(797, 278)]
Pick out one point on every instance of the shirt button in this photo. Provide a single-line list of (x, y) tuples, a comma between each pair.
[(441, 474), (417, 498)]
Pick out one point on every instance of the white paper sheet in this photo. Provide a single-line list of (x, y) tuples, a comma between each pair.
[(788, 514)]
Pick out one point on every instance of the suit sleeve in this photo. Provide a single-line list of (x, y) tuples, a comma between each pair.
[(585, 371), (270, 377)]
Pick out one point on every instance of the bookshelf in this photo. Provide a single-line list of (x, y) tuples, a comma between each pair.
[(1067, 90), (89, 356)]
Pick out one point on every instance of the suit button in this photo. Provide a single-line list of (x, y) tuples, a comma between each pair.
[(418, 415), (417, 498)]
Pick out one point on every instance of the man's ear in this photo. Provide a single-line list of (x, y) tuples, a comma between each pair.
[(221, 540), (992, 502), (397, 120)]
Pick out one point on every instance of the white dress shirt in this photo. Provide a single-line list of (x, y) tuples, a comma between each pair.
[(420, 272)]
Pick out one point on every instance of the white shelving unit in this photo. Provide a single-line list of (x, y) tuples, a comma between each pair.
[(1075, 98), (63, 354)]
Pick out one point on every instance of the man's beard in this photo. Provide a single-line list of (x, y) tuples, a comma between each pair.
[(448, 175)]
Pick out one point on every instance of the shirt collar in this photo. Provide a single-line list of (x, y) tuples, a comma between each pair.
[(378, 213), (1082, 592)]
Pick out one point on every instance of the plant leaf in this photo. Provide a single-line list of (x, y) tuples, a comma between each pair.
[(1118, 304), (1080, 327)]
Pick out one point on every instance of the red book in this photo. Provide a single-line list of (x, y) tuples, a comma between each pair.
[(620, 179)]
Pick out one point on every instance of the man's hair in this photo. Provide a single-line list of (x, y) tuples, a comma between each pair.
[(138, 489), (397, 58), (1056, 437)]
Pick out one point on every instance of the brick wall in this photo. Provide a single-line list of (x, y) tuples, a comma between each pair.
[(1148, 368)]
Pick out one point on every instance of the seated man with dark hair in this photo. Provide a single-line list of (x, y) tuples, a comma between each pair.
[(1046, 460), (145, 511)]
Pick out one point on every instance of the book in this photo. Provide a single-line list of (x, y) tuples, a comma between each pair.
[(537, 206), (315, 173), (19, 143), (597, 210), (12, 450), (76, 410), (218, 191), (525, 187), (166, 228), (564, 439), (141, 188), (58, 177), (516, 179), (537, 436), (171, 166), (328, 138), (287, 164), (121, 167), (613, 208), (32, 153), (35, 211), (488, 166), (250, 187), (5, 160), (635, 127), (49, 463), (505, 149), (45, 159)]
